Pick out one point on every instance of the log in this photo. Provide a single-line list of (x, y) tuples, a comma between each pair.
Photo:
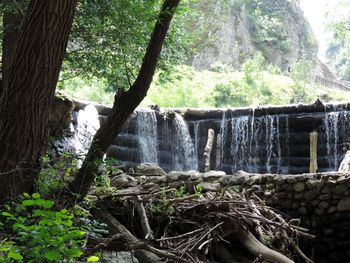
[(207, 150), (143, 252), (143, 218), (254, 246)]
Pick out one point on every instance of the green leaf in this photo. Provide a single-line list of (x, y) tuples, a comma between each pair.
[(74, 252), (26, 195), (93, 259), (48, 204), (20, 226), (53, 255), (36, 196), (28, 202), (75, 234), (14, 255), (6, 214)]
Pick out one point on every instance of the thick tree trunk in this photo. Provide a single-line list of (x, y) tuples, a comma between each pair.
[(12, 20), (25, 102), (125, 103)]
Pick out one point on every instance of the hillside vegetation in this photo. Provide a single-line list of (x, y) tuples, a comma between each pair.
[(221, 86)]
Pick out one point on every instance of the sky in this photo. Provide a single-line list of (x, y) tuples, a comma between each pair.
[(315, 11)]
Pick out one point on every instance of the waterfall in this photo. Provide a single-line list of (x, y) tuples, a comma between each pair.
[(334, 125), (252, 141), (147, 135), (87, 123), (185, 157)]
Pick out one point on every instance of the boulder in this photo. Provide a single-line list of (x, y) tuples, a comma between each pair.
[(344, 204), (60, 114), (150, 169)]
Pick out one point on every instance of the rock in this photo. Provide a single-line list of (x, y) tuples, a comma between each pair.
[(179, 175), (209, 187), (213, 175), (331, 210), (121, 180), (253, 180), (302, 211), (295, 205), (150, 169), (236, 179), (291, 179), (310, 195), (324, 197), (156, 179), (320, 211), (298, 196), (119, 257), (339, 189), (323, 205), (60, 114), (270, 186), (286, 204), (173, 177), (344, 204), (343, 180), (299, 187), (325, 190), (314, 184)]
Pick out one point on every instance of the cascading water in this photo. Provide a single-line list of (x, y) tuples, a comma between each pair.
[(176, 145), (186, 160), (254, 142), (87, 123), (335, 124), (147, 135)]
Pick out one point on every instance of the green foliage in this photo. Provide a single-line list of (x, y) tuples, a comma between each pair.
[(109, 39), (224, 87), (56, 172), (300, 73), (37, 233), (267, 25)]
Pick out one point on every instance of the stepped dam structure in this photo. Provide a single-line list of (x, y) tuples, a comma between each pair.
[(273, 139)]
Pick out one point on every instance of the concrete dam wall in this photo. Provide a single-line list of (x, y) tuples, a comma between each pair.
[(259, 140)]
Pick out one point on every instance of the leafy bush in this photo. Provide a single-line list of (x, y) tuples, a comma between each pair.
[(37, 233)]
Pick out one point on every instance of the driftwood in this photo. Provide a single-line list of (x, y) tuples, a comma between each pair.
[(207, 150), (200, 228), (143, 218)]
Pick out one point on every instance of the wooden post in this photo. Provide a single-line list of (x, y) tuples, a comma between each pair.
[(218, 152), (313, 152), (207, 150)]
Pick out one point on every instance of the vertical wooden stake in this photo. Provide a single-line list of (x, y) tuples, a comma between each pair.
[(207, 150), (313, 151)]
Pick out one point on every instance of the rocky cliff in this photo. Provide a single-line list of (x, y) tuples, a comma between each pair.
[(233, 31)]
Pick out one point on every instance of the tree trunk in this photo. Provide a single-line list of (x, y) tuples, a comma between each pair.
[(124, 104), (25, 102), (12, 20)]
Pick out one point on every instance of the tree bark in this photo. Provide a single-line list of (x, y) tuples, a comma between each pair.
[(25, 101), (12, 20), (124, 104)]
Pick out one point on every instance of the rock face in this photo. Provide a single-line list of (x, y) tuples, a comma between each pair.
[(233, 32), (61, 114)]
